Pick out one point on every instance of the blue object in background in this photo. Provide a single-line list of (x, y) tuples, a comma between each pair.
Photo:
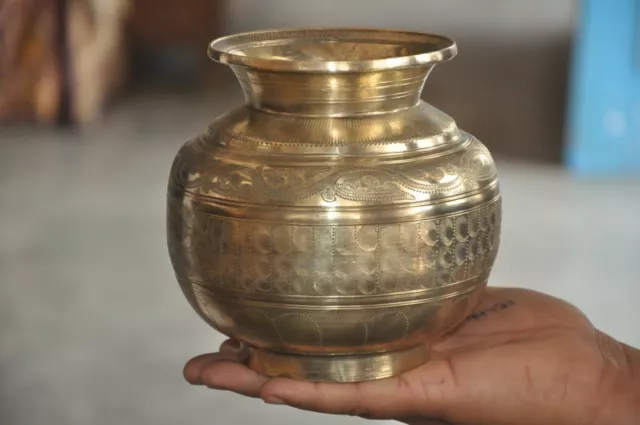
[(604, 115)]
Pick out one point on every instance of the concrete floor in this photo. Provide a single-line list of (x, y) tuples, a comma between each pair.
[(93, 327)]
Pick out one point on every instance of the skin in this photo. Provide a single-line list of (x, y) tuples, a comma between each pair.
[(523, 358)]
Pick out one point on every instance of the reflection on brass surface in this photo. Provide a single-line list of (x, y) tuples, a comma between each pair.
[(335, 223), (348, 368)]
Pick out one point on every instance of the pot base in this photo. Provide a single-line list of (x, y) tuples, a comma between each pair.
[(339, 368)]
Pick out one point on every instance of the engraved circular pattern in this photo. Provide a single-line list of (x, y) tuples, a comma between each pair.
[(334, 260)]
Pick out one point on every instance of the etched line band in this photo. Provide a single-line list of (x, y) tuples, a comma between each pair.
[(361, 305)]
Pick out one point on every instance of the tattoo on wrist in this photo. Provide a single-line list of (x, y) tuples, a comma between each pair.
[(503, 305)]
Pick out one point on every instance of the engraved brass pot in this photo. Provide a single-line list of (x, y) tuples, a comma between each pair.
[(335, 223)]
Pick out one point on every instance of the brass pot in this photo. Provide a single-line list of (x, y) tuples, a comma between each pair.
[(335, 223)]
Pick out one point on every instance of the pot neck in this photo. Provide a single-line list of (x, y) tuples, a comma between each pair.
[(332, 94)]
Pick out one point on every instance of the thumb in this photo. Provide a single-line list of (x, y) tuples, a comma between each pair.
[(422, 392)]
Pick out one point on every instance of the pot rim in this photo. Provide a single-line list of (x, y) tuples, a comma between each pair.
[(429, 49)]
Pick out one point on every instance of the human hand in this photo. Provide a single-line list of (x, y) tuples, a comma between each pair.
[(523, 358)]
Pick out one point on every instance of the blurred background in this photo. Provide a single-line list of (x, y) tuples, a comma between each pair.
[(96, 96)]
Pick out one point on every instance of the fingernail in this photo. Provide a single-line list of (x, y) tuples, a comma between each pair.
[(194, 381), (231, 346), (273, 400), (234, 343)]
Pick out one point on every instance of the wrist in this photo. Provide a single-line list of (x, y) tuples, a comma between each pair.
[(624, 408), (632, 357), (618, 397)]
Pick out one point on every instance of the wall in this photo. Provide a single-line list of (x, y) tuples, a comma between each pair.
[(515, 18), (508, 84)]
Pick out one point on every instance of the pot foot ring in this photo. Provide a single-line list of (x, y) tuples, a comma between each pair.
[(337, 368)]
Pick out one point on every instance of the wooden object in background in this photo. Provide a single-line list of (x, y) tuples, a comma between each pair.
[(31, 80), (510, 93), (168, 38), (60, 60), (96, 55), (155, 22)]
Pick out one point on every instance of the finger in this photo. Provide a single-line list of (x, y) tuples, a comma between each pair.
[(233, 346), (370, 400), (194, 367), (416, 393), (229, 349), (423, 421), (232, 376)]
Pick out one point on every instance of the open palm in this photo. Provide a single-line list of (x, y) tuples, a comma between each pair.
[(523, 358)]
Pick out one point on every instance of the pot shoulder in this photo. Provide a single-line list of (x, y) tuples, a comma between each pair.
[(411, 159)]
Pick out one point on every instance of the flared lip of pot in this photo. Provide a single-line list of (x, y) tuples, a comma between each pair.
[(429, 49)]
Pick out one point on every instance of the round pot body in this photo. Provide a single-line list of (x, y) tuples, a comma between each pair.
[(335, 223)]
